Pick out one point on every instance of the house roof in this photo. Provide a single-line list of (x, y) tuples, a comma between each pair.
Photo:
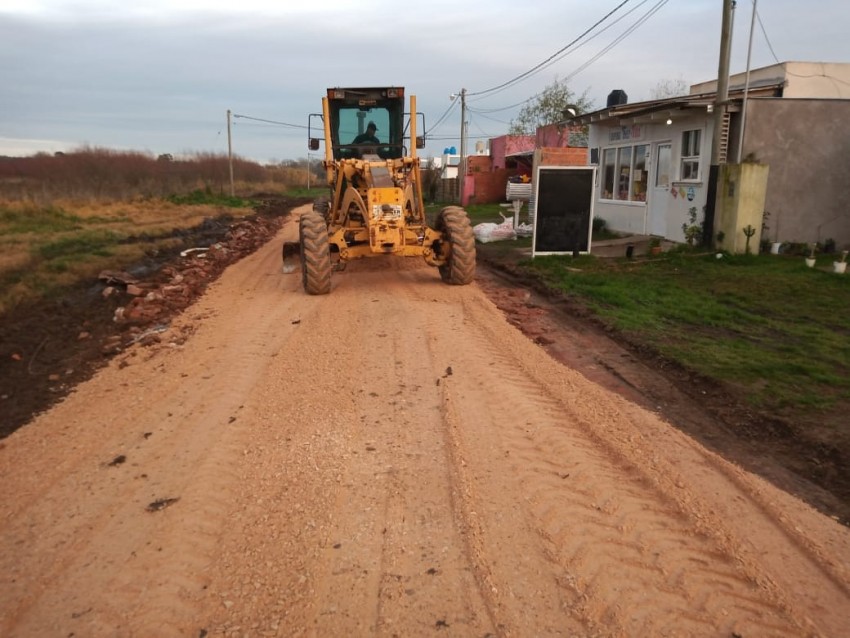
[(657, 109), (527, 153)]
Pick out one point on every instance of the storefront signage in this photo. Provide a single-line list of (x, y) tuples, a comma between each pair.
[(625, 133)]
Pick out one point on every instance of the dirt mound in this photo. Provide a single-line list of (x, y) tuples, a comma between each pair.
[(48, 347)]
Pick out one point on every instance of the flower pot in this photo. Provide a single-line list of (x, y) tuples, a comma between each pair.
[(810, 262), (839, 266), (774, 247)]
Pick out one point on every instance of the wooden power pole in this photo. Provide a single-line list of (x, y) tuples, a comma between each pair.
[(720, 101)]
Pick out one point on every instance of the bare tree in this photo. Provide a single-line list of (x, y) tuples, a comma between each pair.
[(668, 88), (548, 107)]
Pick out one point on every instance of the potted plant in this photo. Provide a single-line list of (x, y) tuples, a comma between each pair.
[(691, 229), (655, 246), (841, 265), (810, 260)]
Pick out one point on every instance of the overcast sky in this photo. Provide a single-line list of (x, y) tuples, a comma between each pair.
[(159, 75)]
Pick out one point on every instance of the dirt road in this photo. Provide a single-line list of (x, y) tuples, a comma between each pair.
[(392, 459)]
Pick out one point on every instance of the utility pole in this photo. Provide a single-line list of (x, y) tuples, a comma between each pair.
[(746, 85), (720, 101), (462, 165), (230, 153)]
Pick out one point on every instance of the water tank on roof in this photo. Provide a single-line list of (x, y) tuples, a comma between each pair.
[(617, 96)]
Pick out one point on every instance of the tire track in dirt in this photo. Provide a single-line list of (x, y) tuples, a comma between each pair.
[(402, 562), (598, 514), (393, 458), (193, 441), (728, 506)]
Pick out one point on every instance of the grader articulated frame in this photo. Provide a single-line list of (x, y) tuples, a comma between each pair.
[(375, 205)]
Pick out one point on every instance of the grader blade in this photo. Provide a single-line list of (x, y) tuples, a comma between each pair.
[(291, 256)]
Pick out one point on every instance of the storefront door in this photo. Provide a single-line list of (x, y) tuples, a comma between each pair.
[(661, 178)]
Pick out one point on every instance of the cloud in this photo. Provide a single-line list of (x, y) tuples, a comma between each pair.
[(160, 75)]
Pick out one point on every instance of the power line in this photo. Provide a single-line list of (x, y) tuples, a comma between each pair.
[(259, 119), (442, 118), (551, 57), (655, 9), (481, 113), (833, 79), (640, 21), (766, 39)]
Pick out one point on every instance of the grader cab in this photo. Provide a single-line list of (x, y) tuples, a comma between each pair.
[(375, 206)]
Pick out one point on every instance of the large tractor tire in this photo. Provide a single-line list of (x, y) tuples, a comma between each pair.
[(458, 244), (322, 205), (315, 254)]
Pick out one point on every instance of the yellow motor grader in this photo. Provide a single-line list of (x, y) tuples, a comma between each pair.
[(375, 205)]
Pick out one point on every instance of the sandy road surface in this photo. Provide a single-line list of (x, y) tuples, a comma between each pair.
[(390, 459)]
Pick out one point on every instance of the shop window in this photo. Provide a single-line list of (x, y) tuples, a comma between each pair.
[(625, 173), (639, 175), (662, 166), (608, 157), (690, 154)]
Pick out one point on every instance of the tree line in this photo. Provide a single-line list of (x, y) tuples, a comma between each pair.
[(99, 173)]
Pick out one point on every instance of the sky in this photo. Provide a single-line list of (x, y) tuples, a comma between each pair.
[(158, 76)]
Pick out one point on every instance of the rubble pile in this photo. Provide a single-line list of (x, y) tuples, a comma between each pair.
[(152, 303)]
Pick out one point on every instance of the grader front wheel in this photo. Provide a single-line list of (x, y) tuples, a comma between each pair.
[(315, 254), (458, 245)]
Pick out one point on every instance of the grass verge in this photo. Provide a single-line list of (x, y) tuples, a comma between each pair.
[(766, 325), (44, 249)]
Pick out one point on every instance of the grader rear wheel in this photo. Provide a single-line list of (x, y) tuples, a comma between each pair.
[(458, 245), (315, 254)]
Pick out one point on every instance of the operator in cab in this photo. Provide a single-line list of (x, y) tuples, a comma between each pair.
[(369, 136)]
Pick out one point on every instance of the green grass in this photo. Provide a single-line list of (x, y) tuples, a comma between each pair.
[(312, 193), (44, 249), (767, 324), (201, 197), (36, 220)]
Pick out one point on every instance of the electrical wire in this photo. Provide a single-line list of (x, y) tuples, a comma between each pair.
[(481, 113), (551, 57), (442, 118), (766, 39), (640, 21), (577, 47), (833, 79), (259, 119), (655, 9)]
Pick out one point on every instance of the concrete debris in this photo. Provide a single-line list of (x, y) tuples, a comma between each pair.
[(178, 285), (110, 277)]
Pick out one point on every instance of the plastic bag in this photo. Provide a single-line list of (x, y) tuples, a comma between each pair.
[(488, 231)]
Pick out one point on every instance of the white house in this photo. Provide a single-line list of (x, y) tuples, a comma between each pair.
[(654, 156)]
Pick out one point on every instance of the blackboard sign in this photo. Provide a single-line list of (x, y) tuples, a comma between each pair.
[(563, 220)]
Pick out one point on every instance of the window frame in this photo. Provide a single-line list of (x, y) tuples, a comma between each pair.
[(690, 160), (619, 178)]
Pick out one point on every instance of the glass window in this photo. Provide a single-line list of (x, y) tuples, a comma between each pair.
[(638, 193), (608, 173), (662, 166), (690, 154), (624, 171)]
